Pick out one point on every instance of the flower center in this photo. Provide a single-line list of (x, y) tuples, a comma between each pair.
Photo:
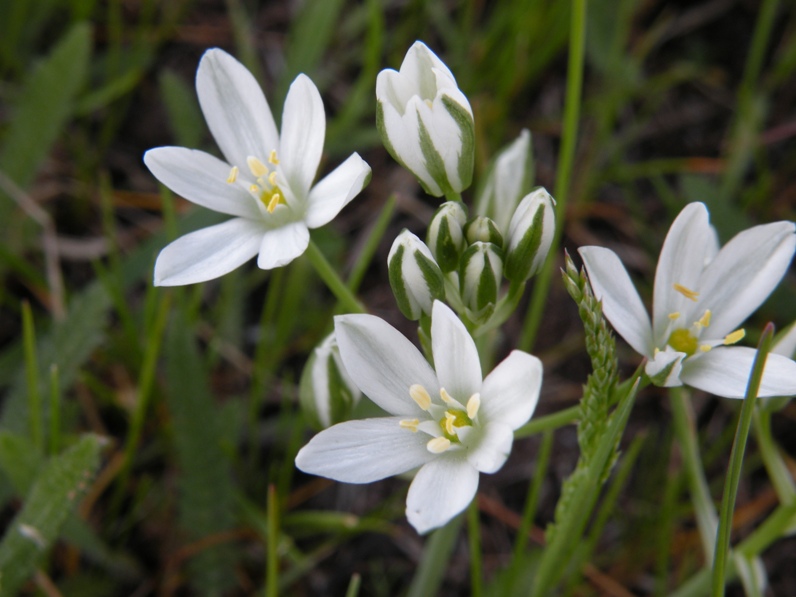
[(265, 188), (682, 340), (687, 339), (444, 422)]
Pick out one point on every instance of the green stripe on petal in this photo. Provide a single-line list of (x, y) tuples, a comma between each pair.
[(467, 127), (435, 165)]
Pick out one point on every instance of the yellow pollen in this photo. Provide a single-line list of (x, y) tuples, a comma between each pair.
[(256, 166), (410, 424), (674, 315), (473, 404), (683, 340), (450, 419), (419, 394), (233, 175), (704, 321), (275, 199), (734, 337), (272, 178), (686, 292), (272, 157), (438, 445), (446, 398), (705, 348), (254, 189)]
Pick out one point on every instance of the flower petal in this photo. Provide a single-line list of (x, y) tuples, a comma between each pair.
[(688, 245), (621, 303), (492, 447), (202, 179), (235, 108), (440, 490), (282, 245), (383, 363), (303, 133), (744, 273), (208, 253), (455, 355), (510, 392), (364, 451), (724, 371), (786, 343), (335, 190)]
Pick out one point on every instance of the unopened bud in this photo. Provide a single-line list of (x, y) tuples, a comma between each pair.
[(480, 274), (445, 235), (531, 233), (415, 277), (484, 230)]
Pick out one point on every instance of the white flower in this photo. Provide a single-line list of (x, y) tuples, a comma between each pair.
[(701, 296), (451, 423), (426, 122), (265, 182)]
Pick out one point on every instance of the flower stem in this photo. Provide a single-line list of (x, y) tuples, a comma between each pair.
[(436, 553), (474, 540), (333, 281)]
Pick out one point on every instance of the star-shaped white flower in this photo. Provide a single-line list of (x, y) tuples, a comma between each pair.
[(451, 422), (265, 182), (701, 296)]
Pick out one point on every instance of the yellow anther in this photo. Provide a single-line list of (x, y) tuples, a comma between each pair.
[(233, 175), (473, 404), (450, 419), (256, 166), (704, 321), (254, 189), (272, 157), (438, 445), (272, 178), (674, 316), (734, 337), (705, 348), (686, 292), (446, 398), (429, 104), (419, 394), (275, 198), (410, 424)]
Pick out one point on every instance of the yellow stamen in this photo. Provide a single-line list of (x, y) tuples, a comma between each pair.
[(275, 199), (272, 178), (446, 398), (233, 175), (704, 321), (734, 337), (705, 348), (256, 166), (429, 104), (419, 394), (438, 445), (687, 292), (450, 419), (473, 404), (674, 315), (272, 158), (410, 424), (254, 189)]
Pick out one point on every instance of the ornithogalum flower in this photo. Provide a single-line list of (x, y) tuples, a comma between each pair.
[(701, 297), (265, 182), (426, 122), (451, 422)]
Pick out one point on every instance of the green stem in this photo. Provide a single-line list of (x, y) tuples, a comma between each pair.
[(566, 157), (736, 462), (551, 422), (438, 549), (474, 536), (535, 490), (453, 196), (333, 281), (32, 378), (272, 551)]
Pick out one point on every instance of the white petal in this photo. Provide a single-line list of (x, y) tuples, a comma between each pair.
[(492, 448), (282, 245), (440, 490), (383, 363), (202, 179), (208, 253), (303, 132), (724, 371), (665, 367), (445, 136), (235, 108), (335, 190), (786, 344), (744, 273), (509, 394), (455, 354), (621, 303), (364, 451), (682, 260)]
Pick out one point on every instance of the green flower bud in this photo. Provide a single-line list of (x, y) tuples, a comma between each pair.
[(326, 392), (415, 277), (445, 236), (530, 235), (508, 180), (480, 274), (484, 230)]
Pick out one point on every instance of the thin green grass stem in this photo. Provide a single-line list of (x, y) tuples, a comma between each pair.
[(474, 542), (32, 378), (551, 422), (272, 548), (333, 281), (371, 245), (353, 586), (534, 491), (54, 443), (736, 463), (436, 554), (566, 157), (776, 467)]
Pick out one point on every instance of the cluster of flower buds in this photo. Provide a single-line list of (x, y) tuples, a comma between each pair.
[(465, 260)]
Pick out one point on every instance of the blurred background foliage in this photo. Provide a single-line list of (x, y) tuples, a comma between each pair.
[(147, 435)]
